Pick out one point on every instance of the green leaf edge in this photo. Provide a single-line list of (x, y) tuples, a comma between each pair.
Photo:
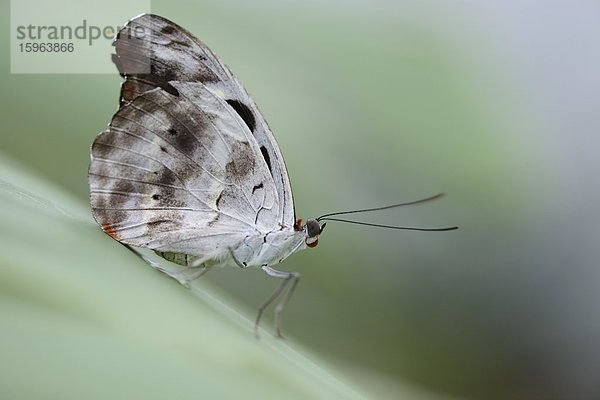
[(85, 318)]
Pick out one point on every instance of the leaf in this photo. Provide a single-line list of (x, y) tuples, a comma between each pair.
[(83, 318)]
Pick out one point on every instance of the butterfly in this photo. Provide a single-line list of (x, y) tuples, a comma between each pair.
[(189, 168)]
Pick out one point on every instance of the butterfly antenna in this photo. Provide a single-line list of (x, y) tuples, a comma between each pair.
[(327, 217)]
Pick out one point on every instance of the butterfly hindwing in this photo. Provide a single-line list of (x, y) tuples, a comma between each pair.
[(175, 172), (152, 51)]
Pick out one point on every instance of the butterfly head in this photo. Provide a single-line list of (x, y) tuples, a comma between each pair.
[(313, 229)]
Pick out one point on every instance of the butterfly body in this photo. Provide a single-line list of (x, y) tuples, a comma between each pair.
[(254, 250)]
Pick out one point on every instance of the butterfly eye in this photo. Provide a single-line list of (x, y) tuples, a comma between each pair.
[(313, 230)]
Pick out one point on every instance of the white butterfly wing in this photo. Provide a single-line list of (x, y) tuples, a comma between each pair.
[(181, 173), (152, 51)]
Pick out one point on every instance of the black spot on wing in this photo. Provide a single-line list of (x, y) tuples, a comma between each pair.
[(217, 203), (167, 87), (186, 142), (256, 187), (167, 198), (167, 29), (244, 112), (265, 154)]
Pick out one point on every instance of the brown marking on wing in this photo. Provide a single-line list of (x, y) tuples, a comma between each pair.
[(242, 162), (110, 231)]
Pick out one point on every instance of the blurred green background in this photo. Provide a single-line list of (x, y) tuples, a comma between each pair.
[(375, 102)]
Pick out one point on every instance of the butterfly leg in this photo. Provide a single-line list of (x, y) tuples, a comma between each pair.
[(185, 277), (184, 274), (189, 274), (148, 261), (287, 277)]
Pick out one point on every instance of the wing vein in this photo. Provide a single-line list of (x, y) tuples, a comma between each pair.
[(170, 144)]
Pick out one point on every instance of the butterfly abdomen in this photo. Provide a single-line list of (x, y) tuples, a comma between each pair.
[(187, 260), (177, 258)]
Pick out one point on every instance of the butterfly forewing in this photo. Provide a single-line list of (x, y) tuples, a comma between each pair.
[(152, 52), (180, 173)]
